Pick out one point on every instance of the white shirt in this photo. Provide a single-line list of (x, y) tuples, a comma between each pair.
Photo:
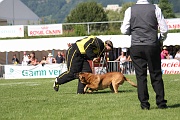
[(25, 60), (177, 56), (125, 28)]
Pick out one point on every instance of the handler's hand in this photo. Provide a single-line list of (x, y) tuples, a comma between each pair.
[(95, 59), (69, 44)]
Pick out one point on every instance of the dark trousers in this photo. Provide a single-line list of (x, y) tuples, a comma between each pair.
[(75, 63), (143, 57)]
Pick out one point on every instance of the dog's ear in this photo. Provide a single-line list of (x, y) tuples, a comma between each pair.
[(81, 73), (82, 79), (76, 75)]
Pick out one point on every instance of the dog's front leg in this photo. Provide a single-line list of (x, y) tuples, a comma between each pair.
[(85, 88)]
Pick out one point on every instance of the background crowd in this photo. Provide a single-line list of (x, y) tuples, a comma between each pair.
[(119, 54), (31, 59)]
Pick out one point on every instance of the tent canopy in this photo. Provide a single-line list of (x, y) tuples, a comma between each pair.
[(60, 43), (15, 10)]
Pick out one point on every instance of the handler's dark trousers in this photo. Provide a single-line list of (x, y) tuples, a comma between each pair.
[(143, 57), (76, 63)]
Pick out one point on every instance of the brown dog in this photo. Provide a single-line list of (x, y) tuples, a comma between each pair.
[(100, 82)]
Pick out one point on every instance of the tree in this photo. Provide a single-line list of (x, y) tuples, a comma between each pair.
[(166, 8), (113, 16), (124, 7), (88, 12)]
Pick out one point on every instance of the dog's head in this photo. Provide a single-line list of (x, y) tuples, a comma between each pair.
[(83, 77)]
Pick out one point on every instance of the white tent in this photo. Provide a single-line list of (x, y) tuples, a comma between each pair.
[(17, 13), (60, 43), (172, 39)]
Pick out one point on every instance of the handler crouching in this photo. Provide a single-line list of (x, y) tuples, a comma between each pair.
[(78, 54)]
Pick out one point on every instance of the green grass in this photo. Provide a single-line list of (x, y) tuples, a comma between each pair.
[(35, 99)]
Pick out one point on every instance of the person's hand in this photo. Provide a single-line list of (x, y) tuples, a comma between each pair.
[(163, 37), (95, 59), (69, 44)]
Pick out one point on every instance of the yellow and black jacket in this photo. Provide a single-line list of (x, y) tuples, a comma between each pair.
[(91, 46)]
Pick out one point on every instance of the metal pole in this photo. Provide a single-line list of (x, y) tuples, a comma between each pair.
[(53, 52), (88, 28), (6, 57), (13, 12)]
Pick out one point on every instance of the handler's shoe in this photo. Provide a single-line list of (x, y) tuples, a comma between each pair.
[(163, 107), (56, 85)]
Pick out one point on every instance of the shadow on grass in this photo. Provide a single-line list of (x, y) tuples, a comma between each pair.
[(174, 106), (169, 106), (103, 92)]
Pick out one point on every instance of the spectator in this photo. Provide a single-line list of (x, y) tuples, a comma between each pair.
[(43, 61), (177, 56), (130, 65), (53, 60), (15, 60), (50, 59), (112, 66), (59, 58), (33, 60), (25, 59), (123, 61), (164, 53)]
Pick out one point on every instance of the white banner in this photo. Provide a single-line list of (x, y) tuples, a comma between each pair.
[(38, 30), (173, 23), (39, 71), (53, 70), (171, 66), (12, 31)]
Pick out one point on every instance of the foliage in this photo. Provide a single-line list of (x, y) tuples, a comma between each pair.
[(166, 8), (87, 12), (113, 16), (80, 30), (95, 12), (57, 10), (124, 7), (35, 99)]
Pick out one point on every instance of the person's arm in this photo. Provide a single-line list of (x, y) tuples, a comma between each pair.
[(17, 60), (161, 23), (54, 60), (118, 58), (125, 28)]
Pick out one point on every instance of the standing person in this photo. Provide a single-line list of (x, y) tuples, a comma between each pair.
[(49, 59), (25, 59), (123, 61), (164, 53), (59, 58), (177, 56), (78, 54), (141, 21), (15, 60), (32, 60)]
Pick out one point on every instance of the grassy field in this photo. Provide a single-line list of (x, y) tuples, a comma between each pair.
[(35, 99)]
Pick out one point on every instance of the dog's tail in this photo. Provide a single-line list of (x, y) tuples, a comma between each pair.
[(129, 81)]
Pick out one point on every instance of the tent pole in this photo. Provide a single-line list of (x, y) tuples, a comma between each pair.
[(6, 57), (53, 52)]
